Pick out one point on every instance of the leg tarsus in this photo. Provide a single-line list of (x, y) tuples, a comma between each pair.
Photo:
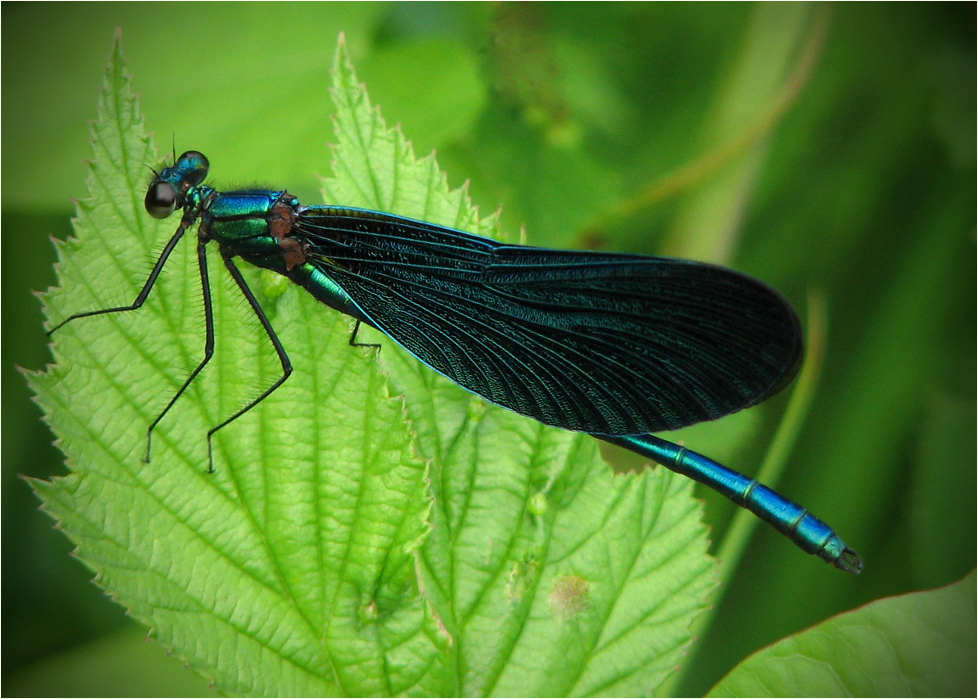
[(353, 338)]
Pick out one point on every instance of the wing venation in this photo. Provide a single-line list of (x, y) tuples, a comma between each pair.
[(594, 342)]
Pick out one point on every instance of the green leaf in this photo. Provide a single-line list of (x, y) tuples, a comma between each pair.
[(921, 644), (520, 508), (291, 569), (340, 547)]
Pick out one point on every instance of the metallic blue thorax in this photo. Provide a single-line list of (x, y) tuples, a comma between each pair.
[(250, 221)]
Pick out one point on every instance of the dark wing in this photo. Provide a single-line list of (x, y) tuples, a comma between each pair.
[(601, 343)]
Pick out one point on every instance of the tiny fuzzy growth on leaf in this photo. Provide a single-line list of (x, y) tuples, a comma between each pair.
[(570, 597)]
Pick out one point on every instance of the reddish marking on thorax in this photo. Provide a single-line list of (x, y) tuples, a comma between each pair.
[(280, 225)]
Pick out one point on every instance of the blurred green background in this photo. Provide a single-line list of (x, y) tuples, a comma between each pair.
[(814, 147)]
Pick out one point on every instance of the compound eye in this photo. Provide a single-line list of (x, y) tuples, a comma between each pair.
[(161, 199), (195, 166)]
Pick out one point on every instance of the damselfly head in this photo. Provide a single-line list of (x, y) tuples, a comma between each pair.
[(167, 192)]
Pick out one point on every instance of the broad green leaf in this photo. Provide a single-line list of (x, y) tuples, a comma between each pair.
[(344, 545), (921, 644), (291, 570), (523, 513)]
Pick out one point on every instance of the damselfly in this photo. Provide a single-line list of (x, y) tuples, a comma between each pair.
[(614, 345)]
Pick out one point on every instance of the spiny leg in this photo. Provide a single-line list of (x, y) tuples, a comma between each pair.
[(208, 341), (187, 220), (279, 349)]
